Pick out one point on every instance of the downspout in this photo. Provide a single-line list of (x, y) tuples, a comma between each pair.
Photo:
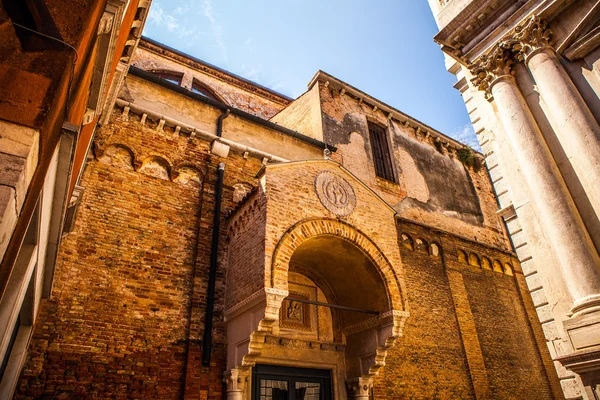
[(220, 122), (212, 274)]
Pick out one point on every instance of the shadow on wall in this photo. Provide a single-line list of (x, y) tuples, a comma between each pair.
[(451, 190)]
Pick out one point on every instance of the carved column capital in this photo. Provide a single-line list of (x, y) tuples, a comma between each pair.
[(274, 299), (236, 380), (360, 387), (516, 46), (496, 63), (531, 35)]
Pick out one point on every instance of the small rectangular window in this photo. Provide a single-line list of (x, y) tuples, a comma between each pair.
[(384, 168)]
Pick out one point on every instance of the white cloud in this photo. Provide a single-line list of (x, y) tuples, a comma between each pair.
[(278, 85), (156, 14), (465, 134), (254, 74), (183, 9), (171, 23), (160, 18), (216, 28)]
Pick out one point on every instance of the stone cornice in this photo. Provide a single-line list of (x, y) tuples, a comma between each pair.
[(515, 46), (477, 28), (392, 113)]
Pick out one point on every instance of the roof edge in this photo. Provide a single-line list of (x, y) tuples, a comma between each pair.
[(148, 43), (393, 112), (150, 77)]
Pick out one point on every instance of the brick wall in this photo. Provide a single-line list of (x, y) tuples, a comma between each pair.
[(126, 315), (245, 271), (428, 361), (469, 334), (116, 323)]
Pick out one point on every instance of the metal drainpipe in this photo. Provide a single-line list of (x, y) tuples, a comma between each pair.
[(212, 274), (220, 122)]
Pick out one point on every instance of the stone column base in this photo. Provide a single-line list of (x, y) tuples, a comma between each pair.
[(584, 331)]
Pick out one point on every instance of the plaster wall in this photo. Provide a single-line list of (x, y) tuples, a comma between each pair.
[(204, 117), (434, 187), (303, 115)]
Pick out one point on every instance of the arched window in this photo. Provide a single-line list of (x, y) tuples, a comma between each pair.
[(421, 245), (171, 76), (203, 90), (407, 241), (434, 249), (462, 256), (497, 267)]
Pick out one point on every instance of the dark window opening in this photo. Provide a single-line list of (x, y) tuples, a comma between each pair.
[(384, 168), (271, 382), (33, 14), (139, 13), (203, 90), (11, 344), (172, 77)]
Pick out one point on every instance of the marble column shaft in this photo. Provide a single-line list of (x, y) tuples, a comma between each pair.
[(574, 124), (560, 219)]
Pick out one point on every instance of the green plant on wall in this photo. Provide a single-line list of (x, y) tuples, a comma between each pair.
[(465, 155)]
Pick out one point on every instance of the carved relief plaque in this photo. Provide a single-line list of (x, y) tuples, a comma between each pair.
[(295, 315), (335, 193)]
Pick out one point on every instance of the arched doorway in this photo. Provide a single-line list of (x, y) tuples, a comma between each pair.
[(334, 305)]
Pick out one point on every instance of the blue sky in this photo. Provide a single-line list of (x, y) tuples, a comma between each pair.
[(382, 47)]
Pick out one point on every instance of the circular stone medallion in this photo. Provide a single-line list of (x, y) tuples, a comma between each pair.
[(335, 193)]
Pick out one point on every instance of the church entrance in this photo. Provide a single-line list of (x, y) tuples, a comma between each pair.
[(271, 382)]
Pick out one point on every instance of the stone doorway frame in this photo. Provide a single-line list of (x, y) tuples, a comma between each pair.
[(388, 325)]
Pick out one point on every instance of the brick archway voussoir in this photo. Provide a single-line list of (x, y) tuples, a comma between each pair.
[(307, 229)]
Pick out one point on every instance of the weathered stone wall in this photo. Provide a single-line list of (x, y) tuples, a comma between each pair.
[(434, 187), (126, 316)]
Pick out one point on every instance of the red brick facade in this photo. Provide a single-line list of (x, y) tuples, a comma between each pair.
[(126, 316)]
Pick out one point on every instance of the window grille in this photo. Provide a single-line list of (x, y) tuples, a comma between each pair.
[(381, 152)]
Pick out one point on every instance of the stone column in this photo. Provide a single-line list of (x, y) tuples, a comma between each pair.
[(236, 380), (559, 218), (576, 128)]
